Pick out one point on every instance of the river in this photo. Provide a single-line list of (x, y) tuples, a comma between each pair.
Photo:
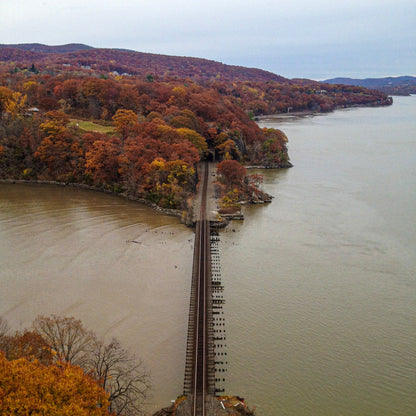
[(120, 267), (320, 284)]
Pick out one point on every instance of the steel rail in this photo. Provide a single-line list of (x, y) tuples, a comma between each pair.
[(200, 353)]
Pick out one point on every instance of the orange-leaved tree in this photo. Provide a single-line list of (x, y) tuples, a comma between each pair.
[(232, 174), (29, 345), (124, 121), (59, 150), (102, 161), (30, 388)]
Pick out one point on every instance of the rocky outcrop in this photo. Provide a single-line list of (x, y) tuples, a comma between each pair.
[(271, 166), (217, 406)]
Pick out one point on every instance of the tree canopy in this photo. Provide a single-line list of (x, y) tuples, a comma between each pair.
[(58, 367), (29, 387), (182, 119)]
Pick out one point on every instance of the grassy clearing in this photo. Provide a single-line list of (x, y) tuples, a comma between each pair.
[(90, 126)]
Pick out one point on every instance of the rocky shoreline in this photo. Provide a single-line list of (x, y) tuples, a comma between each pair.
[(276, 166), (166, 211), (221, 220), (218, 406), (186, 217)]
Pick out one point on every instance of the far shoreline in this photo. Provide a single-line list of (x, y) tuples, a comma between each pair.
[(307, 113)]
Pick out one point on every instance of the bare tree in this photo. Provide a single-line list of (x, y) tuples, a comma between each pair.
[(4, 327), (68, 337), (122, 377)]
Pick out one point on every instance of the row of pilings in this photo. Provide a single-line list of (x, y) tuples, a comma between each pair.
[(217, 345), (220, 343)]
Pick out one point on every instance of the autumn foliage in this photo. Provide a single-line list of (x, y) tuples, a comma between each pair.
[(61, 368), (161, 130), (158, 109), (29, 387), (236, 186), (29, 345), (232, 173)]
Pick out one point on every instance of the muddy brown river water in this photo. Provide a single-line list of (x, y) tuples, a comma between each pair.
[(320, 285)]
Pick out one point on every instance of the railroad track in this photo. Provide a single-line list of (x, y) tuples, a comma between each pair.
[(199, 372), (200, 359)]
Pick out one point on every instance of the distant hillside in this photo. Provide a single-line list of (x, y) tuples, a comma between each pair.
[(403, 85), (38, 47), (131, 62)]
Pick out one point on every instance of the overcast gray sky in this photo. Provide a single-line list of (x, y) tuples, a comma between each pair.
[(314, 39)]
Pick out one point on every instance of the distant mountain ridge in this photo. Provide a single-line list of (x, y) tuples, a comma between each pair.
[(402, 85), (39, 47)]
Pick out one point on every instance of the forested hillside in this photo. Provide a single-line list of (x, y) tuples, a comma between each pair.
[(152, 118), (54, 58)]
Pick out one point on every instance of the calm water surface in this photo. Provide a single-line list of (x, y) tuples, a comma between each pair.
[(320, 284), (70, 252)]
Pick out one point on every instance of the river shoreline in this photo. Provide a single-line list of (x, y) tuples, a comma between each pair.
[(220, 220), (308, 113), (166, 211)]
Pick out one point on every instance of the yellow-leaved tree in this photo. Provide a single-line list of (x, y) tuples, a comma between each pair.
[(30, 388), (124, 121)]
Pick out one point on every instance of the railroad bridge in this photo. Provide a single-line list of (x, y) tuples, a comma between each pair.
[(199, 381)]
